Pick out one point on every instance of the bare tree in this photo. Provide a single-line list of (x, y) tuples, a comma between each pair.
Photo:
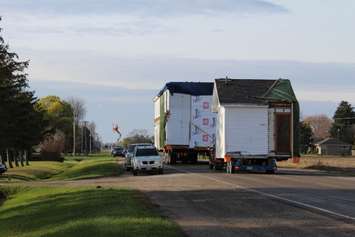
[(320, 125), (79, 111)]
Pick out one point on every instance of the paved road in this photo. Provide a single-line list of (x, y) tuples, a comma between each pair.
[(291, 203)]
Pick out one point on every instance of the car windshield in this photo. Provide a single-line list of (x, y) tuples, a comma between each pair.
[(131, 148), (118, 149), (147, 152)]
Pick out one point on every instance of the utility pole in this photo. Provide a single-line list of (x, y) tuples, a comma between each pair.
[(74, 135), (90, 142), (84, 137)]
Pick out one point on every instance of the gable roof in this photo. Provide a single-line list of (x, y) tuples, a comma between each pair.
[(332, 141), (244, 91), (190, 88)]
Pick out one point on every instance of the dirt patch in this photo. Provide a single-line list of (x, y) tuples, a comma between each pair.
[(344, 165)]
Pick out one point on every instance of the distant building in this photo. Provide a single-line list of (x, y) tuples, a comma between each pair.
[(333, 146)]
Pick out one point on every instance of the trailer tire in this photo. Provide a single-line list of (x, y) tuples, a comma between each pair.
[(211, 166), (192, 157), (135, 172)]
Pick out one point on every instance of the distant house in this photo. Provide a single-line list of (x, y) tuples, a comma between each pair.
[(333, 146)]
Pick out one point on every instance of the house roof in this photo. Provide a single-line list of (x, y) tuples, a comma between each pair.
[(332, 141), (190, 88), (244, 91)]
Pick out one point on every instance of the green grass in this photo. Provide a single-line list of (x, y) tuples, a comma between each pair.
[(70, 212), (91, 168), (73, 168), (37, 170)]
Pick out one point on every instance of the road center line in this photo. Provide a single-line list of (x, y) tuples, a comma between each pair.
[(273, 196)]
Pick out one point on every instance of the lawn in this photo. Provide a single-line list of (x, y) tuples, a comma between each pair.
[(327, 163), (97, 167), (70, 212), (73, 168)]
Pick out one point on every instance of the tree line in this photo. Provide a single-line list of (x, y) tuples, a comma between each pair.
[(317, 127), (51, 124)]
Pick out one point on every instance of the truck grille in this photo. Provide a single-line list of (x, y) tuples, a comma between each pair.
[(151, 162)]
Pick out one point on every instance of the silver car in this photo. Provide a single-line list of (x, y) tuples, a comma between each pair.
[(129, 154)]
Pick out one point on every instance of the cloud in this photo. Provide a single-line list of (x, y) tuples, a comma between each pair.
[(319, 81), (121, 89), (155, 8)]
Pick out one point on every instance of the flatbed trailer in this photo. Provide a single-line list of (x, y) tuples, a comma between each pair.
[(236, 162), (184, 154)]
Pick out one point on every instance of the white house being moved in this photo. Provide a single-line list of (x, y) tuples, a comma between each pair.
[(184, 125), (256, 118)]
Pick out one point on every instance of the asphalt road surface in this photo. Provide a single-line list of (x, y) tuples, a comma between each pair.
[(209, 203), (291, 203)]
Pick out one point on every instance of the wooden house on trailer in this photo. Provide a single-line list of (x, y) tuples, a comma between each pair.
[(256, 118)]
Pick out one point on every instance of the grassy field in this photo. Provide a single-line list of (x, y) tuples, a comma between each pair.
[(73, 168), (70, 212), (328, 163)]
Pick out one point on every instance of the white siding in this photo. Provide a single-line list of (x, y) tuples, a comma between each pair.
[(156, 122), (157, 108), (157, 134), (246, 130), (178, 125), (182, 114), (220, 133)]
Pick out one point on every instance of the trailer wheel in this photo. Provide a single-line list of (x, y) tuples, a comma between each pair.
[(192, 157), (211, 166), (135, 172)]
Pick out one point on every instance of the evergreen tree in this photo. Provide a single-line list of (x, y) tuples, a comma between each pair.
[(306, 136), (344, 118), (20, 123)]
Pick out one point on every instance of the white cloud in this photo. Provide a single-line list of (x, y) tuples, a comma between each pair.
[(142, 7)]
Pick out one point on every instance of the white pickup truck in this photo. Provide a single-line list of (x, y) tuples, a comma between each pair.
[(146, 159)]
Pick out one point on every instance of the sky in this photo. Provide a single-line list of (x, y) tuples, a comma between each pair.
[(117, 54)]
